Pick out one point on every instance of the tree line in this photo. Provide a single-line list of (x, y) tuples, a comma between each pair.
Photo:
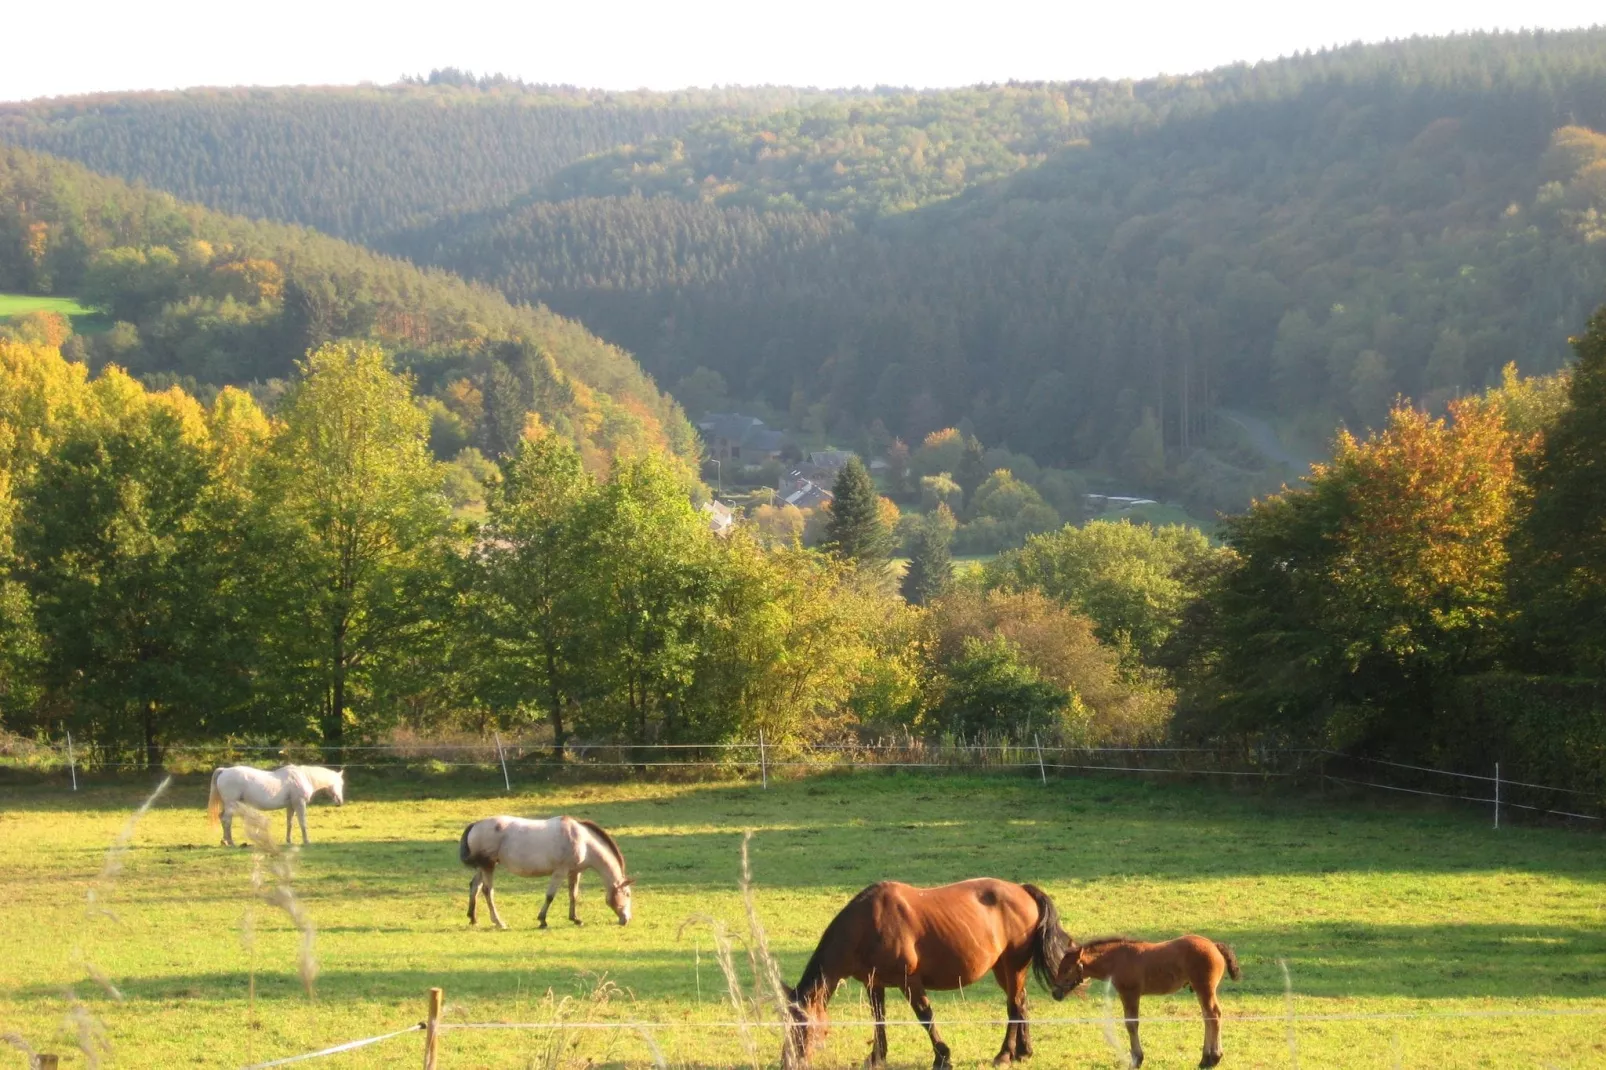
[(176, 572)]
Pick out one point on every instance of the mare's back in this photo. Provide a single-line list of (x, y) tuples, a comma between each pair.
[(534, 847)]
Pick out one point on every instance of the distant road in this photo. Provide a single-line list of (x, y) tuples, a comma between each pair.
[(1263, 437)]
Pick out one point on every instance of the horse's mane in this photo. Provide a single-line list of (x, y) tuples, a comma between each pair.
[(1105, 941), (600, 833), (811, 984)]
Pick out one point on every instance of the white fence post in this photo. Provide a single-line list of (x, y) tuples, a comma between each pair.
[(1497, 795), (72, 763), (501, 757), (763, 764), (1042, 770)]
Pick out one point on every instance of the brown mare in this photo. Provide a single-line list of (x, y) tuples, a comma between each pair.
[(1138, 969), (930, 939)]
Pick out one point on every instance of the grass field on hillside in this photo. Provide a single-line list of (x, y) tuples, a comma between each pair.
[(1376, 910), (84, 320)]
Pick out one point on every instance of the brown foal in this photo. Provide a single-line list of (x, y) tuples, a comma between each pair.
[(930, 939), (1138, 969)]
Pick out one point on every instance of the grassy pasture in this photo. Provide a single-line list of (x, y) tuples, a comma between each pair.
[(84, 320), (1376, 908)]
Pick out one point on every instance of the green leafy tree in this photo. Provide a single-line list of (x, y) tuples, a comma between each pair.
[(364, 522), (991, 691), (1349, 603), (533, 580), (1129, 578), (120, 548), (652, 582), (1560, 547)]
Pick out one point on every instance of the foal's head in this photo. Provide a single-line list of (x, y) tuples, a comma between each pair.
[(1072, 971), (619, 899), (801, 1034)]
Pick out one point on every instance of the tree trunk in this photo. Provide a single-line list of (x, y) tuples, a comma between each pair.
[(153, 749), (555, 705), (334, 726)]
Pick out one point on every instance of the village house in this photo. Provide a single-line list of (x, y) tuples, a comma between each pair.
[(733, 438)]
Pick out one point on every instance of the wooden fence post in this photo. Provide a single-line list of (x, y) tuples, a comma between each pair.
[(432, 1030), (763, 764)]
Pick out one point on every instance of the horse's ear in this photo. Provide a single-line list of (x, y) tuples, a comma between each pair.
[(627, 882)]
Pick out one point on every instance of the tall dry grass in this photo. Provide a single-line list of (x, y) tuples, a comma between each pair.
[(273, 883)]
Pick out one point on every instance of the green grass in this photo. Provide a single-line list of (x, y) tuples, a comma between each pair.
[(1158, 515), (84, 320), (1376, 908)]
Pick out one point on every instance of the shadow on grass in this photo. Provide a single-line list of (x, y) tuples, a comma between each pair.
[(1328, 961), (848, 831)]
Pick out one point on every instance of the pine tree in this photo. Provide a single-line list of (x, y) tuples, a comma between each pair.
[(854, 531), (931, 566)]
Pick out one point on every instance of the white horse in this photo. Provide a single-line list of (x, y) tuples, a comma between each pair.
[(560, 846), (286, 788)]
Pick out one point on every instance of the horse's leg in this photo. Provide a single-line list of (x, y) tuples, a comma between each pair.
[(474, 897), (922, 1008), (289, 818), (551, 894), (301, 815), (228, 824), (1129, 1007), (878, 1013), (490, 896), (1017, 1040), (1211, 1009), (574, 896)]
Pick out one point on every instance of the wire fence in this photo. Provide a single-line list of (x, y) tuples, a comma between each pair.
[(513, 760), (1288, 1018)]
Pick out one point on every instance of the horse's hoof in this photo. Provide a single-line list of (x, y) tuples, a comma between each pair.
[(577, 921), (542, 925), (1210, 1060), (1003, 1060), (500, 927)]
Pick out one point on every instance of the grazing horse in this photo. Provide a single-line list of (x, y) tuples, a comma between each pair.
[(560, 846), (1137, 969), (286, 788), (930, 939)]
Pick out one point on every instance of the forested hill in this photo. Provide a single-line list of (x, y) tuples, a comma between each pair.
[(213, 299), (359, 162), (1306, 238)]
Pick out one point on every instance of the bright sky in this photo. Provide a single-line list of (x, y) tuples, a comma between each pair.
[(78, 46)]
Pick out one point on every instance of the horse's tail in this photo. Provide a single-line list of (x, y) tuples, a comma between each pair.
[(1050, 940), (1232, 961), (214, 801), (468, 856)]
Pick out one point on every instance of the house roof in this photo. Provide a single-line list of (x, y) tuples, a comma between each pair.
[(747, 432)]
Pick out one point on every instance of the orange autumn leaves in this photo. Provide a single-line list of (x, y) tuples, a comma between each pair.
[(1428, 505)]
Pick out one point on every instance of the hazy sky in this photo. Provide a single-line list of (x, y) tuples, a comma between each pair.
[(77, 46)]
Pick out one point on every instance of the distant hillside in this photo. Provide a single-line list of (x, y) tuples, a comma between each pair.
[(1084, 272), (1305, 238), (213, 299), (357, 162)]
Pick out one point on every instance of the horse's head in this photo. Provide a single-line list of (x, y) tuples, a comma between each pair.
[(798, 1043), (1071, 972), (619, 899), (337, 787)]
